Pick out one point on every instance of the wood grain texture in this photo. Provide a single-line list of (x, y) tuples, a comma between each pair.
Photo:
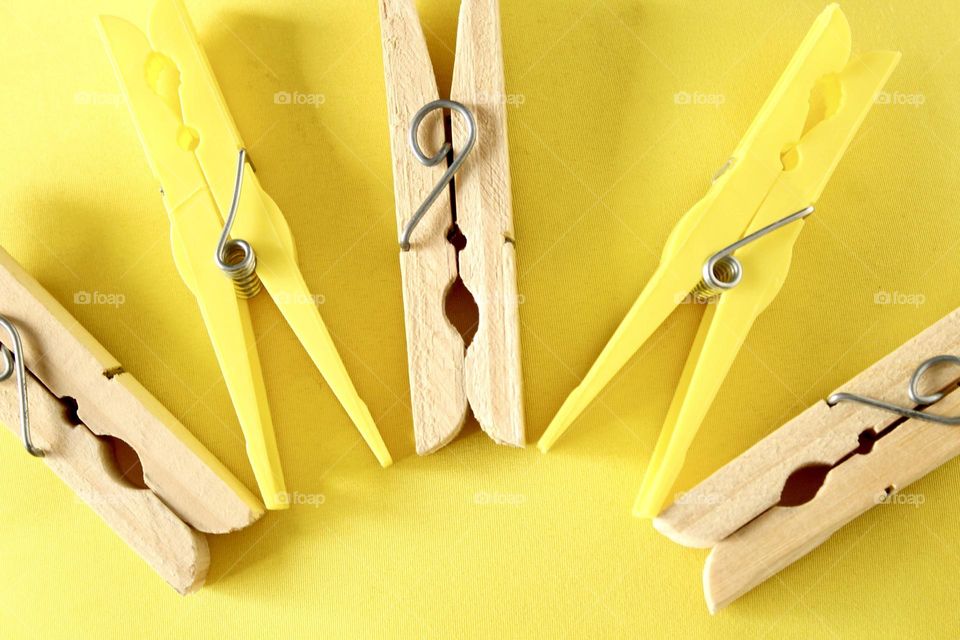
[(178, 553), (783, 535), (435, 349), (190, 491), (485, 216), (752, 483), (444, 377), (735, 510), (69, 362)]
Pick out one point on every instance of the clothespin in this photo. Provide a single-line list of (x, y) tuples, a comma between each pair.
[(197, 155), (444, 378), (780, 167), (188, 492), (794, 489)]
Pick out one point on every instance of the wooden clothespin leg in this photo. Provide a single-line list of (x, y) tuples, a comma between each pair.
[(189, 492), (488, 263), (444, 377), (888, 427)]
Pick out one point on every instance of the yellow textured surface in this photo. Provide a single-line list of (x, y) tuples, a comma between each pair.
[(622, 111)]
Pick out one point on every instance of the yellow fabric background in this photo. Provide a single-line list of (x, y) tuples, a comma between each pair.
[(478, 540)]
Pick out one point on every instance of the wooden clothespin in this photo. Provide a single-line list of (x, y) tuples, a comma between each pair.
[(781, 166), (835, 461), (189, 492), (444, 378), (197, 154)]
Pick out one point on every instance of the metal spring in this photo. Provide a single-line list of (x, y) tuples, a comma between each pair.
[(724, 274), (915, 395), (437, 158), (14, 362), (722, 271), (236, 258)]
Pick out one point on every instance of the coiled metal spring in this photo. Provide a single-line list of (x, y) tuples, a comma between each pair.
[(722, 271), (722, 275), (236, 257)]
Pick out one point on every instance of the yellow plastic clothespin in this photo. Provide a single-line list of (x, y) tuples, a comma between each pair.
[(193, 148), (781, 166)]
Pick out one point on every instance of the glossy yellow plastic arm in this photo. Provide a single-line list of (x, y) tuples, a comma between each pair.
[(672, 281), (723, 215), (832, 116), (181, 75), (280, 275), (719, 218), (150, 82), (227, 318), (259, 221)]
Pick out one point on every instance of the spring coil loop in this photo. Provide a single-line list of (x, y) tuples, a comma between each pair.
[(719, 276), (722, 271), (236, 258), (239, 262)]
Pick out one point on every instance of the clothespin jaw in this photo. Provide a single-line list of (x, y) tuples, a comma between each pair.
[(153, 83), (434, 348), (488, 262), (192, 143), (189, 492), (791, 491), (830, 106), (781, 166), (446, 377)]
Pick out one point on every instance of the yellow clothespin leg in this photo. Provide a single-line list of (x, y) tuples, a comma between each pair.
[(780, 168), (192, 146)]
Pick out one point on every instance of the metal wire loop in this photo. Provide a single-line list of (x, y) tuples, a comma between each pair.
[(14, 362), (236, 257), (915, 395), (437, 158), (722, 271)]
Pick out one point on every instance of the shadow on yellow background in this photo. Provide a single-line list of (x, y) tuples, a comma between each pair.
[(478, 540)]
